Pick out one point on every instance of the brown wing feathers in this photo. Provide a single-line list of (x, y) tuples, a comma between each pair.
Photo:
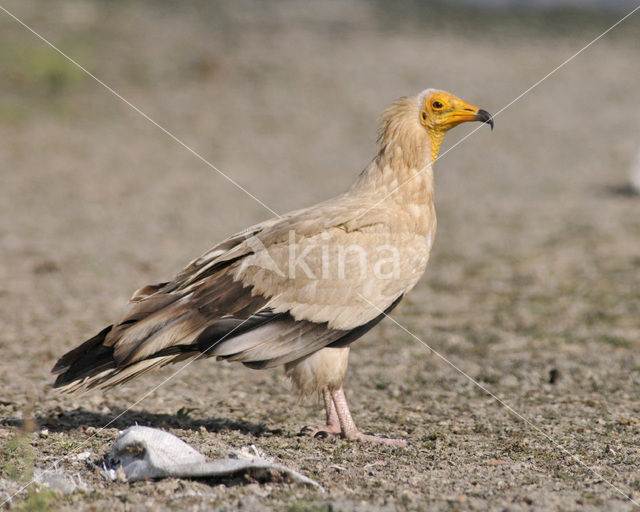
[(87, 360), (219, 318), (157, 323)]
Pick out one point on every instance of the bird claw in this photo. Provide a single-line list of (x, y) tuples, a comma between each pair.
[(306, 431), (323, 434), (320, 433)]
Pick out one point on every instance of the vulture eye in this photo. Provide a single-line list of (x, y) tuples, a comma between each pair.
[(437, 104)]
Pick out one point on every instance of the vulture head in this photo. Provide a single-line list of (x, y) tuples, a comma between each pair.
[(440, 111), (413, 127)]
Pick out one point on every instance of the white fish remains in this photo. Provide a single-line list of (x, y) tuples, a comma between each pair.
[(144, 453)]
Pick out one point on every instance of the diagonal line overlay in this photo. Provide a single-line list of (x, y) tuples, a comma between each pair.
[(200, 157)]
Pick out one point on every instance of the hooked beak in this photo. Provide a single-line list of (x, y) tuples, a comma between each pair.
[(484, 117)]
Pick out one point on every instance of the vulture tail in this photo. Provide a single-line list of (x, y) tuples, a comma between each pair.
[(86, 361), (92, 364)]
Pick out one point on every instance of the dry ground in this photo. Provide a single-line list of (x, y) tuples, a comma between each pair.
[(533, 288)]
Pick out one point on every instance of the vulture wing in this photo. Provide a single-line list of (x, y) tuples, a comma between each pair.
[(270, 295)]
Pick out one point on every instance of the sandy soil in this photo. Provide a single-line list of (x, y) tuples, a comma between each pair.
[(533, 289)]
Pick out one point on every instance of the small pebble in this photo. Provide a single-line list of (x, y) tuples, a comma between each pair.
[(83, 455), (509, 381)]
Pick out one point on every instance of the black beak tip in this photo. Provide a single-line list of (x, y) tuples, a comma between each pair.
[(485, 117)]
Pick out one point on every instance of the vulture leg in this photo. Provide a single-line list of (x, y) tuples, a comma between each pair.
[(332, 428), (348, 426), (333, 423)]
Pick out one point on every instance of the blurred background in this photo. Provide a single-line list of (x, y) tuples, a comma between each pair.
[(536, 265)]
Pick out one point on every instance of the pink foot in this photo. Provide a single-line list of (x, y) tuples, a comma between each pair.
[(366, 438), (332, 428), (348, 427)]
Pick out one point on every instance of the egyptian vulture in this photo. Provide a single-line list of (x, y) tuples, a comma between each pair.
[(299, 289)]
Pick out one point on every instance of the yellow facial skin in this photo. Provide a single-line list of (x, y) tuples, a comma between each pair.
[(442, 111)]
